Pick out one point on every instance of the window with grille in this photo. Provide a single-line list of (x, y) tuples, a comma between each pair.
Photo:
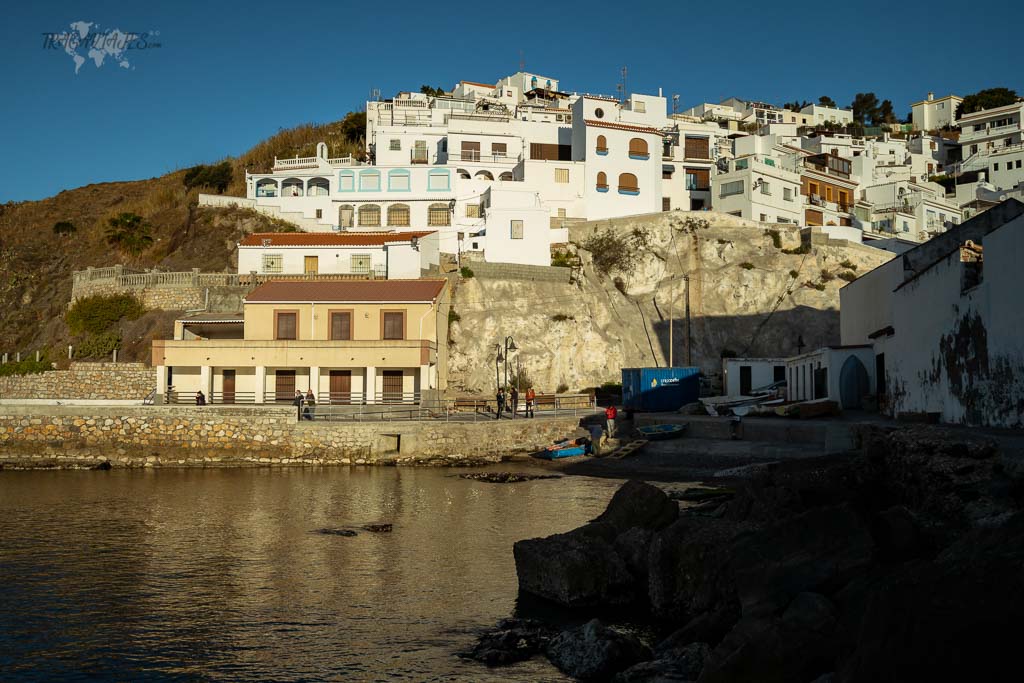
[(628, 184), (470, 151), (561, 213), (369, 216), (273, 263), (395, 145), (341, 325), (439, 215), (499, 149), (419, 152), (394, 325), (666, 204), (638, 149), (561, 175), (787, 194), (285, 325), (472, 211), (517, 230), (602, 182), (735, 187), (360, 264), (398, 215)]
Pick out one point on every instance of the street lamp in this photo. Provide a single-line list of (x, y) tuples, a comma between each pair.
[(497, 363), (510, 346)]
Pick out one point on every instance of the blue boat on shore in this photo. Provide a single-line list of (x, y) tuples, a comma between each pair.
[(562, 449), (662, 431)]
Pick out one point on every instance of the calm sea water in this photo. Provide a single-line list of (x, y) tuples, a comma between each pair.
[(220, 575)]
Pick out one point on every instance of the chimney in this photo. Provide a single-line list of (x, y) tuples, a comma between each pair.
[(931, 96)]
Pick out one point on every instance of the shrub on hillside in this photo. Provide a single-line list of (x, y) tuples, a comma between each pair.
[(217, 177), (616, 250), (849, 265), (562, 388), (97, 314), (25, 367), (98, 345), (562, 317), (64, 228), (827, 276), (466, 272), (776, 238), (804, 248), (130, 233), (848, 275), (747, 265)]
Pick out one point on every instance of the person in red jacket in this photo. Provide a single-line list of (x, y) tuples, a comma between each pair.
[(609, 415)]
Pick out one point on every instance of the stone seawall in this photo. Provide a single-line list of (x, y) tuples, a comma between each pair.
[(146, 436), (84, 381)]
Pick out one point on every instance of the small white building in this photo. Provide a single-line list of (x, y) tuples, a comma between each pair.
[(391, 255), (819, 115), (741, 376), (932, 114), (844, 374), (759, 189)]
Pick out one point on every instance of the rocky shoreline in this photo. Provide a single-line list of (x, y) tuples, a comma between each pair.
[(903, 560)]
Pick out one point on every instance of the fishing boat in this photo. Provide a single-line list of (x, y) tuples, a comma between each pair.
[(660, 432), (562, 449)]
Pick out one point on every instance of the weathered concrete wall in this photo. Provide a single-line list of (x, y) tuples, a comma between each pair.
[(83, 381), (137, 436)]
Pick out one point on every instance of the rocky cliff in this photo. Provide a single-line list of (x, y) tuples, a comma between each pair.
[(753, 292)]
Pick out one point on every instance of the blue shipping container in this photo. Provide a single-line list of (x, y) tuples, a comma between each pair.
[(659, 390)]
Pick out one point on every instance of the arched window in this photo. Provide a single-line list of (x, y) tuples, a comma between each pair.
[(346, 214), (438, 215), (464, 174), (398, 215), (369, 181), (484, 175), (507, 175), (638, 149), (628, 184), (317, 187), (602, 181), (293, 187), (398, 180), (346, 181), (438, 180), (369, 216), (267, 187), (602, 145)]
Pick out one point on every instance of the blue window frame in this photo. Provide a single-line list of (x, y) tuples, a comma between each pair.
[(399, 180), (369, 181), (439, 180), (346, 181)]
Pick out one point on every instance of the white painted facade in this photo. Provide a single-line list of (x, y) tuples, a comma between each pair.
[(844, 374), (759, 189), (819, 115), (932, 114), (742, 375)]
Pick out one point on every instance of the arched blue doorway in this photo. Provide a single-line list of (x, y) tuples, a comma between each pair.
[(853, 383)]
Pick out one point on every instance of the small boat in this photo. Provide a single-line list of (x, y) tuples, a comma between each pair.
[(562, 449), (662, 431)]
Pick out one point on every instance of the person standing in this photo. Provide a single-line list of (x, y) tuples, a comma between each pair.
[(531, 398), (609, 416), (200, 398), (500, 400), (515, 401), (310, 404), (297, 401)]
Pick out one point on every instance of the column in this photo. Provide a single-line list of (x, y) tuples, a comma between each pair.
[(370, 384), (261, 383), (314, 380), (161, 385), (425, 378), (206, 381)]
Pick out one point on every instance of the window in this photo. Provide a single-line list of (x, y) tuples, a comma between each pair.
[(346, 181), (638, 149), (319, 213), (550, 152), (470, 151), (398, 181), (392, 324), (359, 264), (499, 149), (419, 152), (766, 188), (666, 204), (472, 211), (628, 184), (787, 194), (516, 230), (369, 181), (561, 175), (731, 188), (369, 216), (439, 215), (602, 145), (769, 162), (395, 145), (906, 227), (439, 181), (667, 170), (561, 213), (599, 113), (828, 193), (697, 148), (398, 215), (698, 179), (640, 107), (812, 188), (341, 325), (742, 164), (995, 166), (764, 218), (273, 263), (285, 325), (602, 181)]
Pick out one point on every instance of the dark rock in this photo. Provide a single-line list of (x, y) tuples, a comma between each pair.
[(899, 535), (633, 546), (380, 528), (699, 494), (639, 504), (811, 612), (819, 550), (337, 532), (514, 640), (594, 651), (506, 477), (105, 465), (681, 664), (709, 627), (576, 569), (688, 568)]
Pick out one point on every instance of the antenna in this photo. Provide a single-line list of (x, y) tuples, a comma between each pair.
[(675, 104), (522, 64), (375, 94), (622, 84)]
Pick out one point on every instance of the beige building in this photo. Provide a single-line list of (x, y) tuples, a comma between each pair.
[(373, 341)]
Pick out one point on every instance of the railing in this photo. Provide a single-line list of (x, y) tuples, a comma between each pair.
[(343, 161), (197, 279), (296, 162)]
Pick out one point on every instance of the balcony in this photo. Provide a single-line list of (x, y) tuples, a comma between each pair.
[(290, 353)]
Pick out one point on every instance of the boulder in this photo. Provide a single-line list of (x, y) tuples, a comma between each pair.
[(514, 640), (580, 568), (688, 568), (899, 535), (681, 664), (819, 550), (639, 504), (709, 627), (595, 652)]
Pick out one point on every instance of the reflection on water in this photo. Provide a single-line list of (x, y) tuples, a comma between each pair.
[(219, 574)]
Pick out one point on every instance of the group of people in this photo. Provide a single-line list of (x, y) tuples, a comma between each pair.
[(306, 405), (510, 402)]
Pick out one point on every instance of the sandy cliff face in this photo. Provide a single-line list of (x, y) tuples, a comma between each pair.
[(747, 296)]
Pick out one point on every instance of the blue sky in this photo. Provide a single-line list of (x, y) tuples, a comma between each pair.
[(227, 75)]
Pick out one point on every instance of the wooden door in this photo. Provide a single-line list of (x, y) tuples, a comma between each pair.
[(392, 386), (284, 386), (228, 392), (311, 265), (341, 386)]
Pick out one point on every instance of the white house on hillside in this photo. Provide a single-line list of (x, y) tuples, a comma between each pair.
[(932, 114)]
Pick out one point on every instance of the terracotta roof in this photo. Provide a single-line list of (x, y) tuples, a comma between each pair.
[(329, 239), (348, 291), (623, 126), (600, 97), (481, 85)]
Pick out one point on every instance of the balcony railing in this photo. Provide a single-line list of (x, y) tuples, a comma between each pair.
[(296, 162), (473, 156)]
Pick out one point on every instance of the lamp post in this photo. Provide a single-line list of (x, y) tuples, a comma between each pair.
[(497, 364), (510, 346)]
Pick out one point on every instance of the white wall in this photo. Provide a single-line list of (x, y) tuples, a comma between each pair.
[(762, 372)]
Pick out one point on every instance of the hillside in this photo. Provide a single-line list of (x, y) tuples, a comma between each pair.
[(36, 263)]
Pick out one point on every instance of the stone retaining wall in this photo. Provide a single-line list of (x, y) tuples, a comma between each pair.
[(84, 381), (516, 271), (147, 436)]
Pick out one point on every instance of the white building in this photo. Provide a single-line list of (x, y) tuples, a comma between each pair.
[(844, 374), (741, 376), (933, 114), (758, 188), (945, 319), (819, 115), (391, 255)]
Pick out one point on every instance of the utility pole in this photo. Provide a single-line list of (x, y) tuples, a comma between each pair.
[(671, 322), (689, 359)]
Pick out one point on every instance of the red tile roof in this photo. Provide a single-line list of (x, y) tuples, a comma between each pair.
[(345, 291), (482, 85), (623, 126), (329, 239), (600, 97)]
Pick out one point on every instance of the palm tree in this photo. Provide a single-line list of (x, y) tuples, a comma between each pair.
[(129, 233)]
